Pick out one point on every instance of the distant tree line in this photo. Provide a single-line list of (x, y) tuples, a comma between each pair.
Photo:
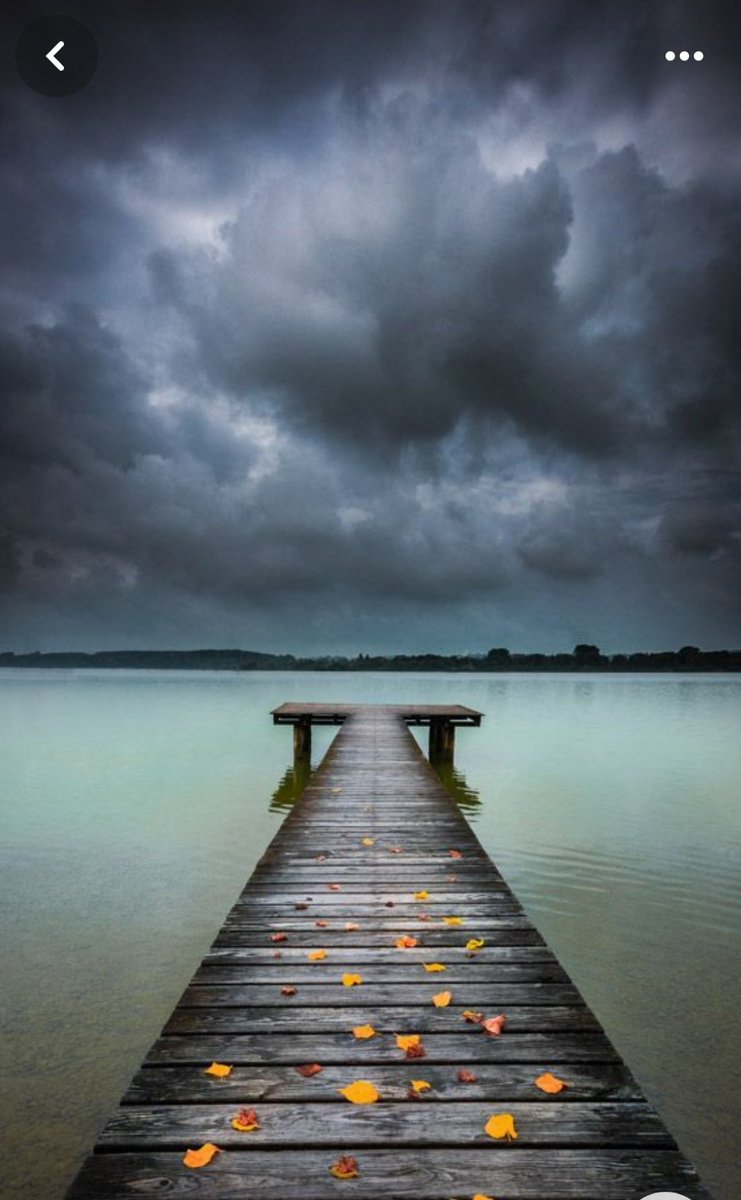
[(584, 657)]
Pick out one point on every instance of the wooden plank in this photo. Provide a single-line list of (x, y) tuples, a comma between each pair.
[(517, 1174), (451, 955), (332, 994), (503, 1082), (414, 1019), (629, 1122), (324, 974), (301, 1047)]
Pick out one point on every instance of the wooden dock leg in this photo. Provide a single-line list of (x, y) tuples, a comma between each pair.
[(442, 742), (301, 745)]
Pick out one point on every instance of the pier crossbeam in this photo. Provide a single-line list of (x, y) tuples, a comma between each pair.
[(373, 829)]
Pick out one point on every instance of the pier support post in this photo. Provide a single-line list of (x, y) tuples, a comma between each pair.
[(442, 741), (302, 745)]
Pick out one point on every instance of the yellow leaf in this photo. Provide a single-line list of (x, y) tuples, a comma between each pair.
[(452, 920), (346, 1167), (405, 1040), (360, 1092), (406, 942), (316, 955), (501, 1125), (475, 943), (362, 1032), (432, 967), (199, 1158), (421, 895), (478, 1196), (220, 1070), (368, 841), (550, 1083), (420, 1085), (350, 980), (442, 999)]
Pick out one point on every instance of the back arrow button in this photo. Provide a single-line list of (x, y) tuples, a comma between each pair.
[(54, 50), (67, 66)]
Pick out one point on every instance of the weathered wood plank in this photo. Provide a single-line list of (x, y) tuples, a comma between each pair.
[(517, 1174), (630, 1122), (324, 974), (409, 1018), (333, 994), (301, 1047), (503, 1082)]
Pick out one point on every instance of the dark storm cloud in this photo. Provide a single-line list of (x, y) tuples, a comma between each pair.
[(410, 322)]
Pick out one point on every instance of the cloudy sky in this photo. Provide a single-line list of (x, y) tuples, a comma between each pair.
[(363, 325)]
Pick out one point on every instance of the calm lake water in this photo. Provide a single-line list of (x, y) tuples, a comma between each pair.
[(135, 804)]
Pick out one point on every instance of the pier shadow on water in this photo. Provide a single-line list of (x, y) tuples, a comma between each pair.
[(466, 797), (291, 786)]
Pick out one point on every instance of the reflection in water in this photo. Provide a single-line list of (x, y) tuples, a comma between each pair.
[(296, 777), (291, 786), (466, 797)]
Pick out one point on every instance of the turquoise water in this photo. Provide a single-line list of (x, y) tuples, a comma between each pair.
[(134, 805)]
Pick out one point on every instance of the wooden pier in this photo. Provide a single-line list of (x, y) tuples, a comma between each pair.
[(377, 875)]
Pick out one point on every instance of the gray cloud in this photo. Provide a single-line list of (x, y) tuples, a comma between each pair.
[(400, 323)]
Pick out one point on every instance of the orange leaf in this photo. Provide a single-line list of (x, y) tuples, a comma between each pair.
[(495, 1025), (350, 980), (246, 1121), (405, 1040), (316, 955), (442, 999), (452, 920), (479, 1196), (501, 1125), (420, 1085), (346, 1167), (406, 942), (395, 850), (220, 1070), (550, 1083), (288, 991), (321, 924), (199, 1158), (279, 937), (334, 887), (455, 854), (474, 1017), (423, 895), (465, 1076), (309, 1069), (352, 926), (363, 1032), (475, 943), (432, 967), (368, 841), (360, 1092)]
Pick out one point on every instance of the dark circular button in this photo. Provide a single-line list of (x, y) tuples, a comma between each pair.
[(56, 56)]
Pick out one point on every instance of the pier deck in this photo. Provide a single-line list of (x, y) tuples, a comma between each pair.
[(374, 827)]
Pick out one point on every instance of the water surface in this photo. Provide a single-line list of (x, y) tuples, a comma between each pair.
[(135, 804)]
